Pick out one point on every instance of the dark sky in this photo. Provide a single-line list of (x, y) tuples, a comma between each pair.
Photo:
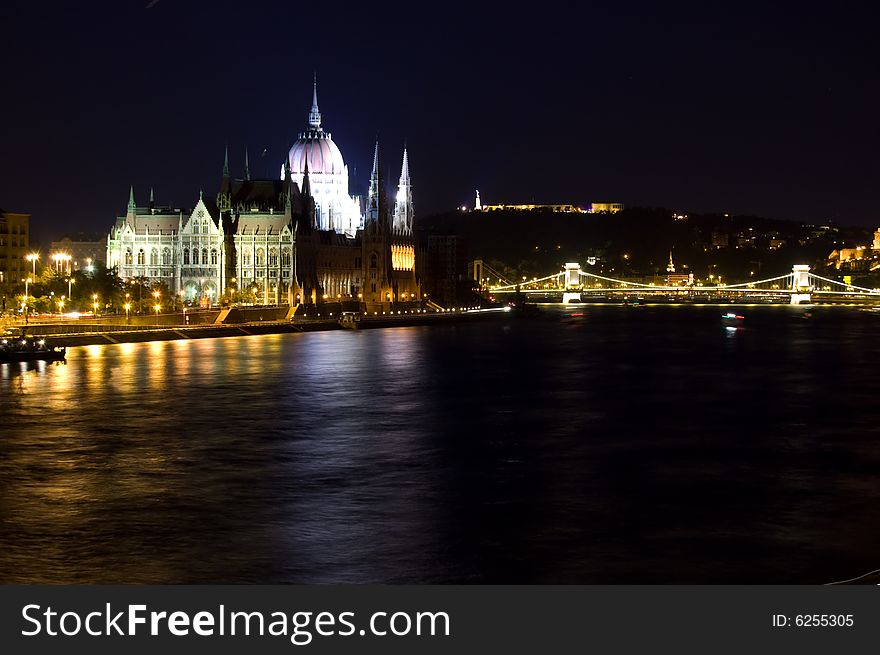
[(767, 109)]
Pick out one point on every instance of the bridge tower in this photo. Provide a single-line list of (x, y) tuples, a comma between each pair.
[(571, 282), (800, 284), (572, 276), (477, 272)]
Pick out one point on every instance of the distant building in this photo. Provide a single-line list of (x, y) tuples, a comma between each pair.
[(569, 209), (478, 206), (85, 250), (447, 279), (848, 258), (606, 207), (876, 244), (720, 239), (14, 246), (680, 279)]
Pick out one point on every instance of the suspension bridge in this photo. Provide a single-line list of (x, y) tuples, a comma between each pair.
[(574, 284)]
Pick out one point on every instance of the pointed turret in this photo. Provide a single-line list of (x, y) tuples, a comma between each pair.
[(247, 168), (670, 267), (152, 204), (288, 189), (224, 195), (314, 113), (404, 169), (403, 209), (372, 215), (306, 186), (306, 193), (131, 206)]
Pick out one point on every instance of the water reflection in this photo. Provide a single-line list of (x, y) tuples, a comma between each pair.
[(647, 446)]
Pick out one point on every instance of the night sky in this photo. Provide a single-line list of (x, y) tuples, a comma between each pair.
[(769, 109)]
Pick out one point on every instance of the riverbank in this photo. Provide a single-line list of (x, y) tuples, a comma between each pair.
[(113, 334)]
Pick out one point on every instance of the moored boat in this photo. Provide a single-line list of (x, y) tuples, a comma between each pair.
[(20, 348)]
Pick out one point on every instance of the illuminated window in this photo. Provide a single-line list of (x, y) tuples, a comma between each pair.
[(141, 257), (213, 257), (128, 257), (166, 257)]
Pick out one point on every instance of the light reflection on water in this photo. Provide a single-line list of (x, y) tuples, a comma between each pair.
[(648, 445)]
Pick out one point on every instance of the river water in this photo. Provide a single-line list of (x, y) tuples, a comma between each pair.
[(627, 445)]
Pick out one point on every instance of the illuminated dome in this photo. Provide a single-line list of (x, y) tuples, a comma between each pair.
[(314, 152), (323, 155)]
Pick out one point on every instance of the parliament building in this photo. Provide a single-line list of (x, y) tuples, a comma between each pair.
[(301, 240)]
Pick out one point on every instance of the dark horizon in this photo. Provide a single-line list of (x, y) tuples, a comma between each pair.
[(765, 112)]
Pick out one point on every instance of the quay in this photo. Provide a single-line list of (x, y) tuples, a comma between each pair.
[(88, 332)]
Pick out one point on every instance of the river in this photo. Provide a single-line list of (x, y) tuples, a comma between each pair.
[(625, 445)]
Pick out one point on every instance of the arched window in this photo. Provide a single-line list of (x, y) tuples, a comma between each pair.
[(213, 257), (374, 261), (128, 257), (195, 255), (141, 257), (166, 257), (154, 257), (258, 260), (285, 257), (204, 255), (246, 258), (186, 255), (273, 258)]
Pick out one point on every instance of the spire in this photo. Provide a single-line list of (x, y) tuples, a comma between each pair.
[(306, 192), (478, 205), (315, 114), (306, 186), (404, 169), (288, 185), (403, 207), (131, 205), (247, 169), (372, 215), (224, 195), (670, 267), (152, 201)]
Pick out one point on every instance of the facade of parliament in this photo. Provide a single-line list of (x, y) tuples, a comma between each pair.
[(301, 239)]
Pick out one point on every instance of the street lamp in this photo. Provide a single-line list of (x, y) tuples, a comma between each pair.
[(95, 302), (32, 258), (127, 309), (158, 307)]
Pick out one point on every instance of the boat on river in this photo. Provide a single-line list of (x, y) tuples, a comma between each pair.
[(18, 347)]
